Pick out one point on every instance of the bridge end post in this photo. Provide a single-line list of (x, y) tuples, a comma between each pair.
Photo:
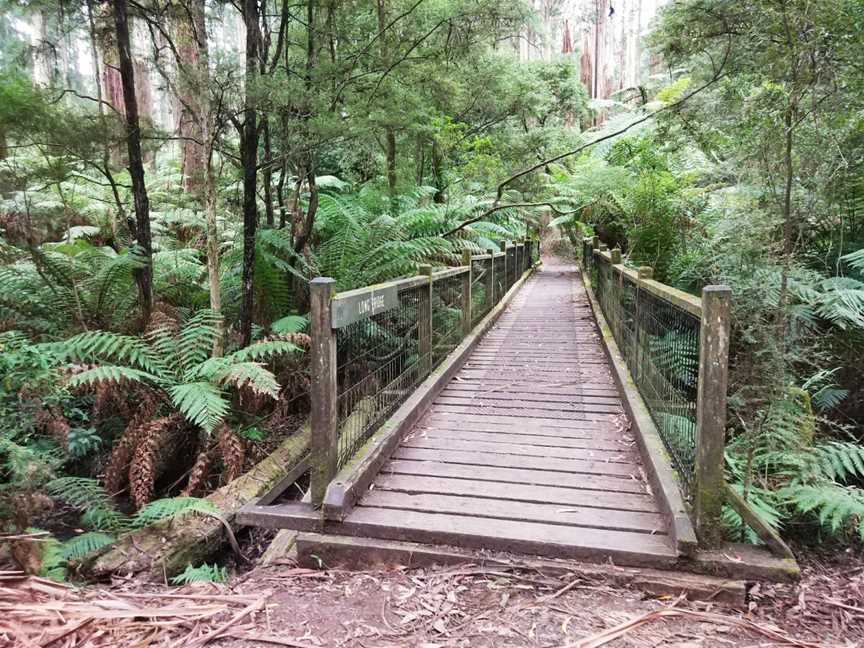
[(467, 281), (709, 490), (323, 389)]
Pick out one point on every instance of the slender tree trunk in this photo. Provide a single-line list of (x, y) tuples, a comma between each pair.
[(280, 194), (190, 39), (788, 226), (103, 125), (249, 157), (390, 139), (389, 133), (208, 121), (267, 172), (143, 276), (437, 174)]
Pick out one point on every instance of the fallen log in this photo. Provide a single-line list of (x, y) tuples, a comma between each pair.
[(165, 548)]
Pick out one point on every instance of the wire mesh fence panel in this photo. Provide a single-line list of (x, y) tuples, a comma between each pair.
[(511, 267), (660, 344), (666, 359), (481, 301), (378, 368), (446, 316), (604, 290), (500, 279)]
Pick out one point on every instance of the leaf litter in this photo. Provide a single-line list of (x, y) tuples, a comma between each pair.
[(464, 606)]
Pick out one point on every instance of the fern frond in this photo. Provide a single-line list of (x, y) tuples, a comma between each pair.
[(88, 496), (169, 507), (104, 345), (202, 574), (111, 374), (201, 403), (251, 375), (834, 505), (265, 350), (84, 544)]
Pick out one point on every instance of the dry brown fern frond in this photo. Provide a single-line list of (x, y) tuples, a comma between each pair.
[(233, 451), (163, 316), (199, 471), (52, 421), (117, 468), (153, 443)]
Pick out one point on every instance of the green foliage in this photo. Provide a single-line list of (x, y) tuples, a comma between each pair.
[(179, 364), (203, 573), (171, 507), (360, 246), (85, 543)]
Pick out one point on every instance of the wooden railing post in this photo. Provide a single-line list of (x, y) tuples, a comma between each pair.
[(708, 476), (595, 242), (504, 286), (467, 281), (489, 286), (424, 315), (615, 255), (324, 420), (643, 273)]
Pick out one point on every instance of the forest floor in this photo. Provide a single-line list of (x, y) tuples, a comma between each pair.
[(449, 607)]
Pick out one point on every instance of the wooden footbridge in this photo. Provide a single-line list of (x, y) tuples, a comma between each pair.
[(511, 408)]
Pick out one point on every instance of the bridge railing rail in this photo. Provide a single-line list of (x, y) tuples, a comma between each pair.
[(676, 348), (372, 347)]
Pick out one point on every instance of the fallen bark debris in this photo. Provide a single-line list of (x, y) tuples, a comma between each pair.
[(38, 612), (610, 634)]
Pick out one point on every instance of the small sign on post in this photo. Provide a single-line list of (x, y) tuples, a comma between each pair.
[(356, 305)]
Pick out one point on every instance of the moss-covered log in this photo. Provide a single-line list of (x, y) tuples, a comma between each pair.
[(165, 548)]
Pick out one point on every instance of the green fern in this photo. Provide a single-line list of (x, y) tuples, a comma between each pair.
[(178, 364), (86, 543), (88, 496), (836, 506), (170, 507), (201, 574)]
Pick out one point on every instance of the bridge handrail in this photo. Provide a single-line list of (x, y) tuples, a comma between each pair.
[(372, 346), (676, 348)]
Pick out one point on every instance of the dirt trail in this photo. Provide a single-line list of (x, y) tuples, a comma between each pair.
[(284, 605)]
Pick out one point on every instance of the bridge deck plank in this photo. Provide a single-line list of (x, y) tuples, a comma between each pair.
[(527, 448)]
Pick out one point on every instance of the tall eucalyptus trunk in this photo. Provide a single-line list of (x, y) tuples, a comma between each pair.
[(143, 275), (249, 161)]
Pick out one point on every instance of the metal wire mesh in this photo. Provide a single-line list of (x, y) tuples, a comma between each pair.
[(511, 267), (378, 367), (446, 316), (500, 279), (667, 373), (660, 343), (481, 297)]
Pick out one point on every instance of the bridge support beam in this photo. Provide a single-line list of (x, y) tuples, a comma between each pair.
[(709, 482)]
